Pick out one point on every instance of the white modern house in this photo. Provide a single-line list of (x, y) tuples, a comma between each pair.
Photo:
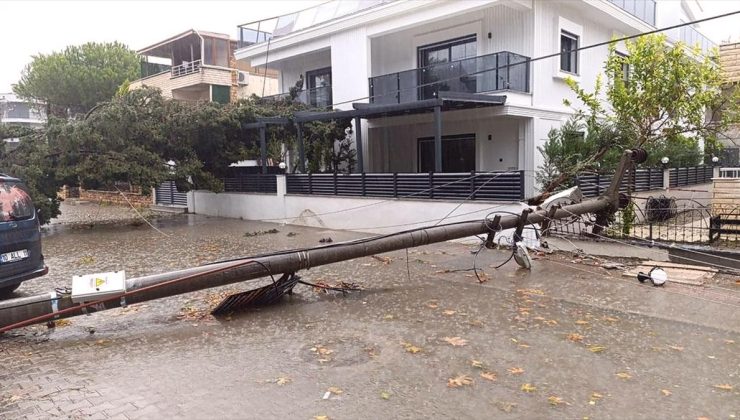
[(19, 112), (449, 86)]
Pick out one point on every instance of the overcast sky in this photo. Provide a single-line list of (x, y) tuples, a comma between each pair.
[(32, 27)]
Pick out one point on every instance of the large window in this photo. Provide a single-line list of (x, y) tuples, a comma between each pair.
[(319, 87), (458, 153), (568, 53), (432, 56)]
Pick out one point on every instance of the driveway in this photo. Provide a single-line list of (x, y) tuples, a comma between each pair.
[(564, 340)]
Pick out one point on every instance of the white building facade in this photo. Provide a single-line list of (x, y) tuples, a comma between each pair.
[(385, 52)]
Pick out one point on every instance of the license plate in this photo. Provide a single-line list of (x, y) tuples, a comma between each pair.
[(13, 256)]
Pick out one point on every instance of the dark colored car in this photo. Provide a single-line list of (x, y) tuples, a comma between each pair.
[(20, 238)]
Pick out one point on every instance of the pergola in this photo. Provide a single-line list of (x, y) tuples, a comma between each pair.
[(445, 101)]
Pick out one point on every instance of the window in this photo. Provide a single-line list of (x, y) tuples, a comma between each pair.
[(15, 203), (458, 153), (625, 66), (431, 56), (18, 110), (568, 53), (319, 87)]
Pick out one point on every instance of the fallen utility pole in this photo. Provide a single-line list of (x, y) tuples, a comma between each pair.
[(16, 313)]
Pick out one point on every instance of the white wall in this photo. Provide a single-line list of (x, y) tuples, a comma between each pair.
[(291, 69), (358, 214)]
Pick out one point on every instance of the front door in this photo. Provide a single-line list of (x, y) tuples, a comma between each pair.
[(458, 153)]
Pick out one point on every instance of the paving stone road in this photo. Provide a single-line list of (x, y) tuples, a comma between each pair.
[(561, 341)]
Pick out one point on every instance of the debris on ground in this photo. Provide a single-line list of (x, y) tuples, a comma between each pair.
[(261, 232), (326, 240), (693, 275)]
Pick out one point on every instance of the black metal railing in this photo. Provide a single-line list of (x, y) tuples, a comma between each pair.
[(488, 73), (253, 183), (320, 97), (645, 179), (493, 186), (680, 177), (641, 9)]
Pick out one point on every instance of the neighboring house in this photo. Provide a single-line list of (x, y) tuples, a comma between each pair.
[(19, 112), (729, 55), (454, 77), (200, 66)]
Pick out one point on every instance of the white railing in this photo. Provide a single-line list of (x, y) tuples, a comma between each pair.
[(187, 67), (729, 173)]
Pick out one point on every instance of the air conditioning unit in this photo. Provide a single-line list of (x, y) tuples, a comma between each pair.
[(243, 77)]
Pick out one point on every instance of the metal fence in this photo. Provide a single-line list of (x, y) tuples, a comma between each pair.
[(667, 220), (493, 186), (692, 175), (645, 179), (252, 183)]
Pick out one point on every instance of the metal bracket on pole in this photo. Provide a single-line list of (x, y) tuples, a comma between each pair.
[(520, 225), (493, 227)]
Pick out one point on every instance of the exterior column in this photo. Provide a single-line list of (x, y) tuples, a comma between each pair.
[(438, 138), (263, 149), (358, 144), (301, 152)]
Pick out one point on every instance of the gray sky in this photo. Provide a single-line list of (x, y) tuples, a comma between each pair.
[(32, 27)]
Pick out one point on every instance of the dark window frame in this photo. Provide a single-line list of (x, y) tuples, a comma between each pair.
[(449, 43), (452, 137), (571, 54), (310, 90)]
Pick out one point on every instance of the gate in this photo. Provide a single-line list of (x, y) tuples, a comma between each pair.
[(167, 195)]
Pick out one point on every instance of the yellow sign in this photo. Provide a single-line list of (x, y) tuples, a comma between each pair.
[(99, 282)]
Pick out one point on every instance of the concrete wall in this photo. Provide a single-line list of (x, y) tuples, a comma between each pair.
[(358, 214)]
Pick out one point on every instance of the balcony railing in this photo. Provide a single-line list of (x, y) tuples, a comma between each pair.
[(691, 37), (186, 68), (320, 97), (488, 73), (641, 9)]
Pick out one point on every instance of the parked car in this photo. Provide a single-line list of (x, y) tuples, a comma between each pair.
[(20, 237)]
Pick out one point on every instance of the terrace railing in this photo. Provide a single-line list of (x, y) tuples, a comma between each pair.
[(487, 73), (186, 68), (320, 97), (641, 9), (491, 186)]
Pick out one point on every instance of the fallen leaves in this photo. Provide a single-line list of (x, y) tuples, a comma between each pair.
[(62, 323), (456, 341), (449, 312), (324, 354), (531, 292), (676, 348), (283, 380), (385, 395), (432, 304), (488, 375), (724, 387), (410, 348), (335, 390), (582, 322), (384, 260), (528, 388), (595, 397), (624, 375), (666, 392), (459, 381), (515, 371), (593, 348), (556, 401), (320, 417), (477, 364), (575, 337)]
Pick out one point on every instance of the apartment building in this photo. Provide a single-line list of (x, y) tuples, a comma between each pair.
[(19, 112), (200, 66), (450, 86)]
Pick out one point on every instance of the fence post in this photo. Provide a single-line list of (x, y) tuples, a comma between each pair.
[(282, 185), (666, 178), (715, 172), (431, 184)]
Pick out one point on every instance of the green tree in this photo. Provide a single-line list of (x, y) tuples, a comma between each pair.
[(659, 96), (78, 78)]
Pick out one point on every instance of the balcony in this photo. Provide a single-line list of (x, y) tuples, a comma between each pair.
[(488, 73), (320, 97), (641, 9), (691, 37), (186, 68)]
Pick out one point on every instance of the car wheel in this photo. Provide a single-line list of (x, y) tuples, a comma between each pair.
[(7, 290)]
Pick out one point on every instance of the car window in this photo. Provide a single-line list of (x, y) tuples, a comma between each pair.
[(15, 203)]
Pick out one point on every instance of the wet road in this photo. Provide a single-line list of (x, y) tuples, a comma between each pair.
[(561, 341)]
